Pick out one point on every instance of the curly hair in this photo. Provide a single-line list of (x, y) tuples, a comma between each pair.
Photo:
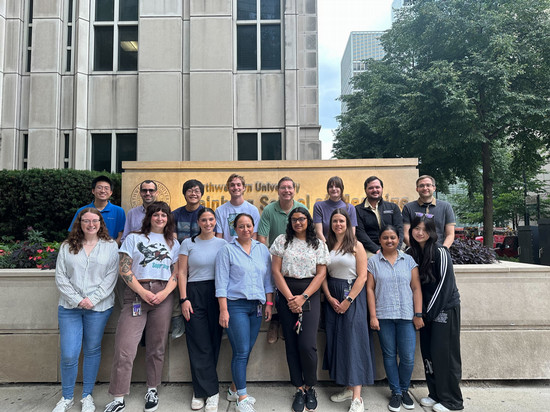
[(201, 212), (76, 236), (169, 229), (348, 243), (311, 238), (424, 256)]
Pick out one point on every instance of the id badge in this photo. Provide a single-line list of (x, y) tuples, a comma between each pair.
[(259, 310), (347, 290), (136, 308)]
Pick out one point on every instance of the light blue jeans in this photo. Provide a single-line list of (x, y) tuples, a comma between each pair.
[(244, 325), (80, 328), (398, 336)]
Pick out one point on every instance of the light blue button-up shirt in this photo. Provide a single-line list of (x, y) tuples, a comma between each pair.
[(394, 297), (243, 276)]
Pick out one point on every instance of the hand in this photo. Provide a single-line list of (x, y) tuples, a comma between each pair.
[(187, 310), (159, 297), (86, 303), (147, 296), (295, 303), (344, 306), (224, 319), (374, 325), (268, 311), (418, 322), (334, 303)]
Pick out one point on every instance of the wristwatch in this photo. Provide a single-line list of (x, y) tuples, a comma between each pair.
[(183, 300), (418, 315), (349, 299), (305, 295)]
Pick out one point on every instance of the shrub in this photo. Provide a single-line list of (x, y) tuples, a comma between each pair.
[(468, 251), (34, 252), (46, 199)]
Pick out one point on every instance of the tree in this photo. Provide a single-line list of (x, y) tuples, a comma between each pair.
[(460, 79)]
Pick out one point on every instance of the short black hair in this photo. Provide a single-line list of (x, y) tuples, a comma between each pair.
[(191, 184), (372, 179), (102, 178), (148, 182)]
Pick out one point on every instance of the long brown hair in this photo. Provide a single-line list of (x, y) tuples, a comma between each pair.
[(76, 237), (169, 229), (348, 243)]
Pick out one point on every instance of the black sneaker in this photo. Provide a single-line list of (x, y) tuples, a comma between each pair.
[(299, 401), (407, 401), (151, 401), (115, 406), (395, 403), (311, 400)]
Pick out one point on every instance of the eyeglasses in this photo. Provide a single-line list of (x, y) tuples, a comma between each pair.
[(298, 219), (196, 191), (420, 214), (423, 185), (88, 221), (148, 190), (102, 187)]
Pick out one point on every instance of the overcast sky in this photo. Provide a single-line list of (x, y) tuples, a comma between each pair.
[(337, 18)]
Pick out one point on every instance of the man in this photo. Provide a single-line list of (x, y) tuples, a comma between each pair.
[(134, 219), (373, 214), (186, 216), (272, 224), (115, 219), (426, 204), (226, 213)]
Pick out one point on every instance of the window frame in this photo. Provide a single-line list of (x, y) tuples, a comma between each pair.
[(69, 48), (27, 55), (258, 22), (114, 138), (259, 133)]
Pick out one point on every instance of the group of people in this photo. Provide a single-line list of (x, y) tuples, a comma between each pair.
[(231, 269)]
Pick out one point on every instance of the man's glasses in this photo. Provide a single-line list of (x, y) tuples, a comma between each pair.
[(148, 190), (196, 191), (298, 219), (420, 214)]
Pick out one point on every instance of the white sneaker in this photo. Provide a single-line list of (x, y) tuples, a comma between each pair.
[(88, 404), (440, 408), (345, 395), (212, 403), (357, 405), (63, 405), (427, 401), (245, 405), (234, 397), (197, 403)]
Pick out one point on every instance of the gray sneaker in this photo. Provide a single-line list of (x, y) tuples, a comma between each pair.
[(178, 326)]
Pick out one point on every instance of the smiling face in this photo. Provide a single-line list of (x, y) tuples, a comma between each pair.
[(102, 191), (389, 240), (207, 222), (339, 224), (244, 228), (299, 223), (148, 193), (420, 234), (90, 223), (425, 189), (236, 188), (374, 191), (334, 193), (158, 222), (193, 196), (286, 190)]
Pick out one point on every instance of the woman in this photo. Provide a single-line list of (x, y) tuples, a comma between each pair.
[(440, 338), (299, 269), (323, 210), (243, 285), (395, 306), (85, 275), (348, 354), (148, 267), (200, 310)]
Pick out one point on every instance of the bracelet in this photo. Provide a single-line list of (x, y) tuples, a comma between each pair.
[(183, 300), (418, 314), (269, 303)]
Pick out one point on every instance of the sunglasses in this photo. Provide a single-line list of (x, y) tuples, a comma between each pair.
[(420, 214), (148, 190)]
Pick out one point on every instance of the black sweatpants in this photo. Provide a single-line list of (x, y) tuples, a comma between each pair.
[(440, 347), (203, 333), (301, 350)]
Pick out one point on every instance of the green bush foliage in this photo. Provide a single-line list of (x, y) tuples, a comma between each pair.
[(46, 200)]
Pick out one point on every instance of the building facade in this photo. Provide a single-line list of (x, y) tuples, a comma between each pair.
[(361, 45), (87, 84)]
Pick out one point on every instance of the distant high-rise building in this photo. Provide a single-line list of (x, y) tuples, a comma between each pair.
[(361, 45)]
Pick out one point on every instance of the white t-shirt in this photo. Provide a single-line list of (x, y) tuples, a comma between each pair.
[(151, 255), (225, 216), (201, 262)]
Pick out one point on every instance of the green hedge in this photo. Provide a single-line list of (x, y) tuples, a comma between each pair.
[(46, 199)]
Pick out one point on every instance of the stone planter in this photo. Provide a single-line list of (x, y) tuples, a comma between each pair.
[(505, 330)]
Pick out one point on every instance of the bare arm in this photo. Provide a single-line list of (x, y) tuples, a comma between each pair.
[(417, 298), (224, 313), (449, 235), (371, 302), (319, 231), (262, 239), (278, 278), (296, 304), (125, 271), (406, 227), (220, 235), (170, 286), (117, 240), (187, 306)]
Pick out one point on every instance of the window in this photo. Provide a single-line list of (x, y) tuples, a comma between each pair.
[(29, 35), (259, 146), (65, 149), (116, 35), (69, 36), (258, 35), (123, 145), (25, 151)]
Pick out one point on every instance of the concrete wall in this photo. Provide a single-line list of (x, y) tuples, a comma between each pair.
[(505, 330)]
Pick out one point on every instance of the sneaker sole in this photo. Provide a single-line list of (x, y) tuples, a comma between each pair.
[(394, 409), (338, 400), (154, 408), (409, 407)]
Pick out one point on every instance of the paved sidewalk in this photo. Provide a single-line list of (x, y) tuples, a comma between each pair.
[(522, 396)]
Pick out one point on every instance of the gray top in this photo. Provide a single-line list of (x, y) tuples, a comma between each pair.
[(94, 276), (201, 263), (442, 211), (342, 266)]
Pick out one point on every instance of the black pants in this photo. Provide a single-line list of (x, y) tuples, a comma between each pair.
[(301, 350), (203, 334), (440, 347)]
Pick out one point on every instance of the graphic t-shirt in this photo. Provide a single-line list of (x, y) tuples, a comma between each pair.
[(186, 222)]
